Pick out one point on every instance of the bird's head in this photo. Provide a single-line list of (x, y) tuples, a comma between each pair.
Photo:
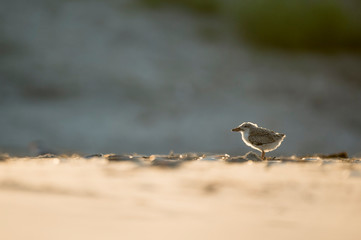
[(244, 127)]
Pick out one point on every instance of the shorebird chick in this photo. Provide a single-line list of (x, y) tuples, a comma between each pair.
[(262, 139)]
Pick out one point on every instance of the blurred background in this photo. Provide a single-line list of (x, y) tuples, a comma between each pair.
[(150, 76)]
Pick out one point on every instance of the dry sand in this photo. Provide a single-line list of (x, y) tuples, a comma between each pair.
[(76, 198)]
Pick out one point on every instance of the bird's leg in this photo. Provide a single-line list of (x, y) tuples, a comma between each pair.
[(263, 153)]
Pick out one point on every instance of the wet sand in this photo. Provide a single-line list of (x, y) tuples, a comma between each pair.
[(188, 197)]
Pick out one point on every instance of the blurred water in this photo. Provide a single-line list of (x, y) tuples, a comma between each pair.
[(114, 76)]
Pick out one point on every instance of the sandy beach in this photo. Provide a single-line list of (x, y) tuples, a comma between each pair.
[(78, 198)]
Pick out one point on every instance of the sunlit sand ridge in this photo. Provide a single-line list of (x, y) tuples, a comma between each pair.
[(187, 196)]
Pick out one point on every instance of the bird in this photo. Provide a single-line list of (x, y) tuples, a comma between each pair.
[(261, 139)]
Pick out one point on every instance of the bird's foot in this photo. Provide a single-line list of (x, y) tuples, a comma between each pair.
[(263, 156)]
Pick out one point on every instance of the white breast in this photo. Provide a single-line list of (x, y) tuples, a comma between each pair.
[(245, 135)]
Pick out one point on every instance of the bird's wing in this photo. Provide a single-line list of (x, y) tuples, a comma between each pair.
[(261, 136)]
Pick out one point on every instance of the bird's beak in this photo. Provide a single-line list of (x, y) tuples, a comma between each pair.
[(237, 129)]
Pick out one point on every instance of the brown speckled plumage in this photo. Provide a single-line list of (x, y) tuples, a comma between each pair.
[(260, 136)]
